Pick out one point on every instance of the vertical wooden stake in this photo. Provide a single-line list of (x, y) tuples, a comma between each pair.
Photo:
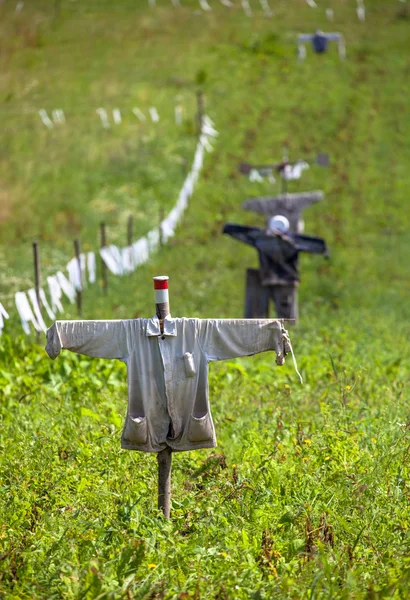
[(164, 459), (103, 243), (79, 296), (36, 257), (130, 228), (201, 110)]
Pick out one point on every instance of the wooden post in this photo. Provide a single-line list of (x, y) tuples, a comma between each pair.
[(256, 296), (130, 228), (79, 295), (285, 298), (201, 110), (36, 257), (103, 242), (164, 458)]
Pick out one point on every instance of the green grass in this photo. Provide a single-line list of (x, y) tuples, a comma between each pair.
[(307, 494)]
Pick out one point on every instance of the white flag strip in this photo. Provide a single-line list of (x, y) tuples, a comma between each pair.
[(116, 115), (74, 274), (227, 3), (330, 14), (127, 259), (178, 115), (104, 117), (58, 116), (83, 265), (246, 8), (255, 176), (3, 315), (266, 8), (44, 302), (204, 5), (37, 312), (112, 257), (153, 114), (311, 3), (55, 292), (139, 114), (91, 267), (66, 286), (294, 171), (141, 251), (25, 312), (45, 118)]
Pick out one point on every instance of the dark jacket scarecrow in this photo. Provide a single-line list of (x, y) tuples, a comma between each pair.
[(278, 252)]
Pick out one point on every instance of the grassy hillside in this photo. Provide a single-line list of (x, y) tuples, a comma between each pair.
[(307, 494)]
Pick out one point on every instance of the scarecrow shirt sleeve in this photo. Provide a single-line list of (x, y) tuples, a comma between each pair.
[(99, 339), (222, 339)]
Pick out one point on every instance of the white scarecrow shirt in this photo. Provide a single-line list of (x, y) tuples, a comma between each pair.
[(168, 401)]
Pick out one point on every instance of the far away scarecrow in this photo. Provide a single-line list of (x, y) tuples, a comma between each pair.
[(319, 41), (287, 205), (167, 364), (278, 276)]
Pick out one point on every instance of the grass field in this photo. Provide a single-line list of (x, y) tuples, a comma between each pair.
[(307, 494)]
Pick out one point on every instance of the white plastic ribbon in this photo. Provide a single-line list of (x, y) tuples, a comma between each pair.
[(139, 114), (104, 117), (246, 8), (266, 8), (74, 274), (25, 312), (153, 114), (54, 289), (37, 311), (204, 5), (3, 315), (66, 286), (44, 302), (112, 257), (45, 118), (294, 171), (91, 267), (178, 115), (254, 175), (58, 116), (116, 115), (140, 250), (127, 259)]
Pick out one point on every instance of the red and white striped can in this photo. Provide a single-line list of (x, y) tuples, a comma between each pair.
[(161, 295)]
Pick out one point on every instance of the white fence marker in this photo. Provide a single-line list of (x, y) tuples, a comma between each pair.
[(103, 116), (246, 8), (139, 114), (45, 118), (153, 114), (266, 8), (116, 115), (178, 115)]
